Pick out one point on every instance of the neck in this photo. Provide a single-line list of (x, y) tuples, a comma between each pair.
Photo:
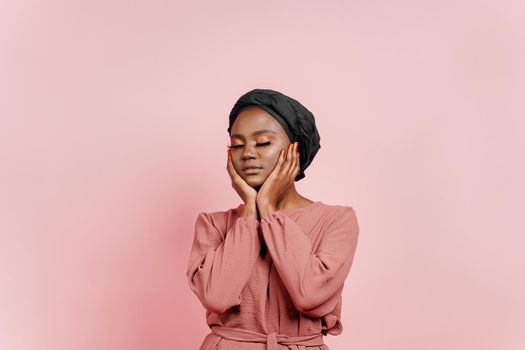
[(290, 199)]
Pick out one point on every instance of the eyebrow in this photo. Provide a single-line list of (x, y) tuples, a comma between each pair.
[(262, 131)]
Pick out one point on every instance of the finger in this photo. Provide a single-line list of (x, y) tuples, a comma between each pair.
[(229, 165), (285, 163), (297, 164), (294, 154), (294, 157), (294, 161), (280, 161), (228, 162), (282, 157), (289, 158)]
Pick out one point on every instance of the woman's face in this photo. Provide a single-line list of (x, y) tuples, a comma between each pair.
[(256, 140)]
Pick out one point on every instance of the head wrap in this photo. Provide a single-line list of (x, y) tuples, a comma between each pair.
[(296, 120)]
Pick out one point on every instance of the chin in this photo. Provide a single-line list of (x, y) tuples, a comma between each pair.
[(254, 181)]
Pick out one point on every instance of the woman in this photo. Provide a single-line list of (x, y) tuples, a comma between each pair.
[(270, 272)]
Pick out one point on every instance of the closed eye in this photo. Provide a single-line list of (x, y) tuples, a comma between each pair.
[(259, 144)]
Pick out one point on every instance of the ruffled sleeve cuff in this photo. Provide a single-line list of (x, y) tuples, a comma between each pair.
[(248, 221), (274, 217)]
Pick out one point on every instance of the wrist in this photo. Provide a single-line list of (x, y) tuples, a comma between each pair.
[(262, 201), (249, 210), (265, 209)]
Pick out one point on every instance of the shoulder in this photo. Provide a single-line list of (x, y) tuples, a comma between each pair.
[(340, 217), (219, 219), (337, 210), (221, 214), (341, 221)]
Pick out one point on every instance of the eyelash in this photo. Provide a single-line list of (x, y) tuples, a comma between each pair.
[(259, 144)]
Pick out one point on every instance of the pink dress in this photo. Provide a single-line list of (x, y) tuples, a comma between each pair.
[(272, 284)]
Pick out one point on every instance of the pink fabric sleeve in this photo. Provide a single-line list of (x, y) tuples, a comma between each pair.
[(219, 269), (313, 279)]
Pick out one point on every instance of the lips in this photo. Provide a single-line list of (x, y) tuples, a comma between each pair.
[(251, 168)]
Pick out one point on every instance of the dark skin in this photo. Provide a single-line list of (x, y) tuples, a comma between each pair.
[(272, 187)]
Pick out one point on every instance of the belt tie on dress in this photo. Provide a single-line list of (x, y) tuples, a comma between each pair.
[(271, 339)]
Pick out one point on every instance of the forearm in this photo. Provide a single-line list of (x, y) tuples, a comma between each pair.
[(312, 278), (219, 269)]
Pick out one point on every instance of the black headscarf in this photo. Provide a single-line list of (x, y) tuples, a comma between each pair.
[(296, 120)]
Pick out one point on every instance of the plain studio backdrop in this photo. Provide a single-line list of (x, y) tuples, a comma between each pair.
[(113, 118)]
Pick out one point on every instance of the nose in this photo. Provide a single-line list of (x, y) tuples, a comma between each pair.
[(248, 152)]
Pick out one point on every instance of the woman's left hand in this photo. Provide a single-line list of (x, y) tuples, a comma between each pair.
[(282, 177)]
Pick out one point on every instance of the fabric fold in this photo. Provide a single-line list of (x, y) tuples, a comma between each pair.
[(218, 268), (272, 339), (314, 279), (270, 298)]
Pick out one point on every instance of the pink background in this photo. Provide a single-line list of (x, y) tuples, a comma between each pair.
[(113, 136)]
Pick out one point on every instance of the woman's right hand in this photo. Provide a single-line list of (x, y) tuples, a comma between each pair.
[(245, 191)]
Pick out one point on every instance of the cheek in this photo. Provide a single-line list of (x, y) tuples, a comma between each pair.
[(237, 165), (273, 155), (270, 160)]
